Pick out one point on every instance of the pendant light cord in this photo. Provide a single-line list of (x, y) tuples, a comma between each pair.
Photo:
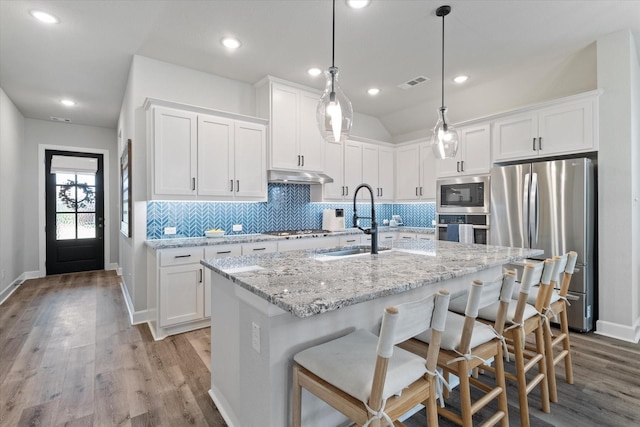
[(442, 104), (333, 36)]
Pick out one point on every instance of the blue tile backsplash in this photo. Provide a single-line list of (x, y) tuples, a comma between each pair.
[(288, 208)]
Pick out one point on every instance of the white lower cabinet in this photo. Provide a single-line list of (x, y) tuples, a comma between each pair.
[(218, 251), (259, 248), (308, 243)]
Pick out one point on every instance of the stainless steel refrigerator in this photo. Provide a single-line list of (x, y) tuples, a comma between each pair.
[(551, 206)]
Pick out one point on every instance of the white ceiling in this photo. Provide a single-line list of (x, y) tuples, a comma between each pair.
[(88, 54)]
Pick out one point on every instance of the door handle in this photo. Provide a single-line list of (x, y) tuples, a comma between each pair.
[(237, 186), (200, 279), (416, 191), (540, 143), (302, 161), (421, 191), (298, 160), (223, 252), (534, 144), (534, 216), (259, 249), (343, 190), (457, 166), (347, 190), (381, 192), (193, 184), (525, 210), (462, 166), (231, 185), (182, 256)]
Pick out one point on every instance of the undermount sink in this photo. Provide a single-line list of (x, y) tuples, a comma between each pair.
[(352, 251)]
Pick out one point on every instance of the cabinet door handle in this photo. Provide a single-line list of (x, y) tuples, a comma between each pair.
[(193, 184), (298, 160), (347, 190), (237, 186), (457, 166), (534, 144), (416, 191), (182, 256), (223, 252), (259, 249), (462, 166), (421, 191), (381, 192), (200, 280), (231, 185), (302, 161), (540, 143), (351, 241)]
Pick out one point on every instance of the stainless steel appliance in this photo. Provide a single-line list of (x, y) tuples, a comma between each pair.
[(480, 224), (298, 234), (333, 219), (470, 194), (551, 206)]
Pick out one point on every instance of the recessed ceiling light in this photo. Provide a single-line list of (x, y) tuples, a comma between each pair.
[(460, 79), (373, 91), (314, 71), (358, 4), (67, 102), (230, 42), (44, 17)]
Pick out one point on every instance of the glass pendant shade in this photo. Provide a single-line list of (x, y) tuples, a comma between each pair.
[(334, 113), (444, 141)]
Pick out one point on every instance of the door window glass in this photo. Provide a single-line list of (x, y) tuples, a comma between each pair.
[(75, 206)]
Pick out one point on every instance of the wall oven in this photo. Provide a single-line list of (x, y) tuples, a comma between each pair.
[(463, 195), (480, 224)]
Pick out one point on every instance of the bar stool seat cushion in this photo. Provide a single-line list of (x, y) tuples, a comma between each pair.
[(348, 363), (482, 333), (490, 312), (533, 294)]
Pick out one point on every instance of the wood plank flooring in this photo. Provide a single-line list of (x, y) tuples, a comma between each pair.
[(68, 356)]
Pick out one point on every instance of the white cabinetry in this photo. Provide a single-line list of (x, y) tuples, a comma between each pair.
[(308, 243), (217, 251), (560, 127), (474, 153), (181, 286), (378, 170), (199, 155), (295, 142), (259, 248), (344, 165), (415, 173)]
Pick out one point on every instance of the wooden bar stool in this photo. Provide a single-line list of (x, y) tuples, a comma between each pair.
[(366, 377), (467, 344), (523, 319), (556, 307)]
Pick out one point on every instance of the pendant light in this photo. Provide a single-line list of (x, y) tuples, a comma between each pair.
[(445, 138), (334, 113)]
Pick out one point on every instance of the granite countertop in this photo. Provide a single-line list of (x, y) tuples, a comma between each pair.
[(306, 282), (182, 242)]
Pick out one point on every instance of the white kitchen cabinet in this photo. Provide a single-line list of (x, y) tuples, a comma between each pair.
[(415, 173), (259, 248), (198, 155), (560, 127), (384, 238), (180, 287), (419, 236), (378, 170), (344, 165), (308, 243), (295, 142), (350, 239), (474, 153), (353, 169)]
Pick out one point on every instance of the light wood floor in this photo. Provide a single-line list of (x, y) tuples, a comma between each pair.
[(68, 356)]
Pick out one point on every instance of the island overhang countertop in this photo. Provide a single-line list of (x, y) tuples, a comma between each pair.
[(309, 282)]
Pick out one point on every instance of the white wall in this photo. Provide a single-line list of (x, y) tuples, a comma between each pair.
[(11, 195), (619, 187), (41, 132), (519, 86)]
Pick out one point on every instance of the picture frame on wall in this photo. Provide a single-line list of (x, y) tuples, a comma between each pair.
[(126, 201)]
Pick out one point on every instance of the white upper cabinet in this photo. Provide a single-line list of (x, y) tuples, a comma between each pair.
[(344, 165), (560, 127), (175, 148), (295, 142), (198, 155), (378, 170), (474, 153), (415, 173)]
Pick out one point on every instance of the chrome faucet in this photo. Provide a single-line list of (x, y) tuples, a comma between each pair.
[(373, 230)]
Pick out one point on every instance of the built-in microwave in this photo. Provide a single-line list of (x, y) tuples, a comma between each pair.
[(463, 195)]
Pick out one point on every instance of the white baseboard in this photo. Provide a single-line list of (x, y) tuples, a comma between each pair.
[(618, 331), (11, 288), (135, 317), (222, 405), (112, 266)]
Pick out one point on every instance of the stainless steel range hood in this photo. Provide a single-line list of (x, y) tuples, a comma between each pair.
[(298, 177)]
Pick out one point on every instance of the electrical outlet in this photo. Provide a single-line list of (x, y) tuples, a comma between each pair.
[(237, 227), (255, 336), (170, 230), (433, 222)]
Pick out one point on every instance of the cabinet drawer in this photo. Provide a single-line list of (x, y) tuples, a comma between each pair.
[(222, 251), (352, 239), (259, 248), (180, 256)]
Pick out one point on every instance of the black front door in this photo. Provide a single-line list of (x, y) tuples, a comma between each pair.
[(75, 217)]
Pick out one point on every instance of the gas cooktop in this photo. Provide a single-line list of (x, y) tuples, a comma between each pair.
[(297, 234)]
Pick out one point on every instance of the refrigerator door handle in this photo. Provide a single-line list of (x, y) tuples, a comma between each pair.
[(525, 210), (534, 214)]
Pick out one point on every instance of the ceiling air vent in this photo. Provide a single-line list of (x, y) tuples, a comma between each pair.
[(413, 82), (60, 119)]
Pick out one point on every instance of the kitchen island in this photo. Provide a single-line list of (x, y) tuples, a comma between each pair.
[(266, 308)]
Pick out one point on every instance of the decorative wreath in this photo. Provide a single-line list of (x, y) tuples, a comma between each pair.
[(68, 197)]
